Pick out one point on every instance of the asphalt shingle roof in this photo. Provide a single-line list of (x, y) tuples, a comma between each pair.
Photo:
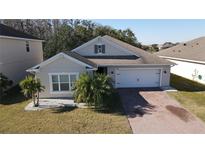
[(144, 56), (191, 50), (81, 58), (11, 32)]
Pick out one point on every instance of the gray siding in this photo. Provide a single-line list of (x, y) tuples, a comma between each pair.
[(110, 49), (61, 65), (15, 60), (165, 81)]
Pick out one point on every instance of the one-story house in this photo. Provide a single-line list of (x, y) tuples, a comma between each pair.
[(189, 58), (128, 66)]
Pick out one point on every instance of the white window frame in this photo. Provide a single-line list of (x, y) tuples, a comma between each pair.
[(58, 74)]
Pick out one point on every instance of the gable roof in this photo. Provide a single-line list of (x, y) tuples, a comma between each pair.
[(98, 40), (11, 32), (81, 58), (69, 55), (144, 56), (193, 50)]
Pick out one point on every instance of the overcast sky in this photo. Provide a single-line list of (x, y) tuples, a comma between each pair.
[(159, 31)]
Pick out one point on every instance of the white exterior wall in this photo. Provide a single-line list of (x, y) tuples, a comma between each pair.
[(111, 49), (165, 76), (189, 70), (14, 59), (61, 65), (164, 73)]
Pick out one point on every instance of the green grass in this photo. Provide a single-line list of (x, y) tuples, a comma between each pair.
[(183, 84), (190, 94), (13, 119)]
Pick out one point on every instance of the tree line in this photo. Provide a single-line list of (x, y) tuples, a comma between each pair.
[(66, 34)]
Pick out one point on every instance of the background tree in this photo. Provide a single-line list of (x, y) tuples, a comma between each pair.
[(31, 87), (66, 34)]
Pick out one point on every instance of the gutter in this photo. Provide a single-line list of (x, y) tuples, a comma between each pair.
[(184, 60), (135, 65)]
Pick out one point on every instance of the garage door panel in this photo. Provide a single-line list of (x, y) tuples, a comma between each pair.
[(138, 78)]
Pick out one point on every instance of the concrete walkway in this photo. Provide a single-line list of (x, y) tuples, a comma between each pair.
[(53, 103), (152, 111)]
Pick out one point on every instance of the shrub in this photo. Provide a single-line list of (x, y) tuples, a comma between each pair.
[(5, 83), (94, 90)]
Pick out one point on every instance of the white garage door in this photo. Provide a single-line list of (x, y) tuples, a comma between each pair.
[(137, 78)]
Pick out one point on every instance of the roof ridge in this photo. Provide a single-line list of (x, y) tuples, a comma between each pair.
[(139, 52), (191, 50), (181, 43), (122, 42)]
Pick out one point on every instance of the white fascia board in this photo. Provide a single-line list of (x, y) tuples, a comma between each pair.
[(59, 55), (32, 70), (91, 69), (181, 59), (86, 44), (18, 38)]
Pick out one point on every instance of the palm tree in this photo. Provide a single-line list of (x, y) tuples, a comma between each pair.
[(31, 87), (101, 87), (93, 90)]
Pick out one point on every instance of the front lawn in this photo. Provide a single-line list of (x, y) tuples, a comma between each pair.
[(13, 119), (190, 94)]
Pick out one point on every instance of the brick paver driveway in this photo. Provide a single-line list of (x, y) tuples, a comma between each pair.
[(153, 111)]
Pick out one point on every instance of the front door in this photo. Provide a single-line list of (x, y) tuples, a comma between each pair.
[(102, 70)]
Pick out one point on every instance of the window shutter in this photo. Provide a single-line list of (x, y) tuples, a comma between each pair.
[(96, 49), (103, 48)]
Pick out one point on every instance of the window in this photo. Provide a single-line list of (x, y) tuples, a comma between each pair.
[(72, 80), (27, 46), (63, 82), (99, 48), (199, 77), (55, 83)]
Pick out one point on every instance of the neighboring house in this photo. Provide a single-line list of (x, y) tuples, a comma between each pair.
[(127, 65), (189, 57), (166, 45), (18, 52)]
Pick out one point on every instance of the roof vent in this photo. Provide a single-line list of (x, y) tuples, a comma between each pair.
[(184, 44), (197, 43)]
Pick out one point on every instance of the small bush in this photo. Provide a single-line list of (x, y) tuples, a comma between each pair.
[(5, 83), (96, 90)]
